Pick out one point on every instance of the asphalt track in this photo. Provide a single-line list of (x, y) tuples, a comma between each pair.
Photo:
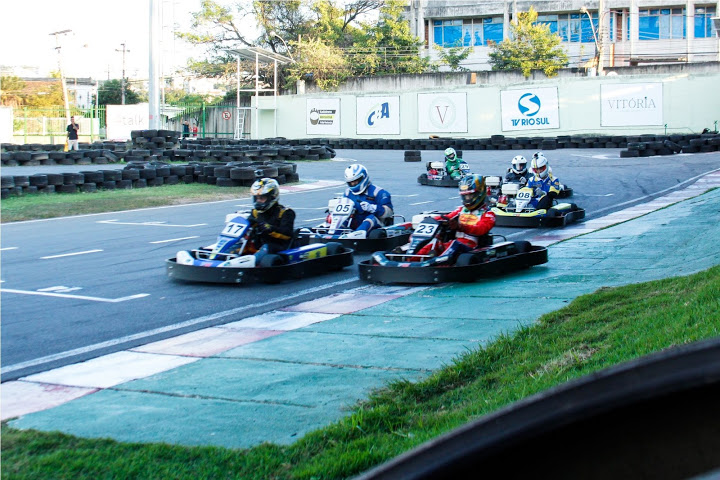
[(79, 287)]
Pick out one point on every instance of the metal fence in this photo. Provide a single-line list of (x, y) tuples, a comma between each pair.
[(212, 120)]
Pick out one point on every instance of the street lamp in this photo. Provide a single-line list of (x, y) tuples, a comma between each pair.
[(597, 36), (62, 73), (274, 34)]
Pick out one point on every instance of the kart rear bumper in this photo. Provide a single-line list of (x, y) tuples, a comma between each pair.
[(316, 266), (357, 244), (374, 273), (509, 219)]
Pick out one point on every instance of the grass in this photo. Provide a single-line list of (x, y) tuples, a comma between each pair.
[(595, 331), (30, 207)]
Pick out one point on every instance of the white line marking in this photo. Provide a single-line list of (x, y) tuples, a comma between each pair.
[(169, 328), (422, 203), (314, 219), (59, 289), (174, 239), (309, 208), (244, 206), (8, 248), (71, 254), (76, 297), (408, 196), (587, 195), (151, 224)]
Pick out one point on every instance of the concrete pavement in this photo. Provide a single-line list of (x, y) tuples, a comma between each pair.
[(277, 376)]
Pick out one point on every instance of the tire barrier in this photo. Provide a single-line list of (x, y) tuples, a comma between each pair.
[(142, 174)]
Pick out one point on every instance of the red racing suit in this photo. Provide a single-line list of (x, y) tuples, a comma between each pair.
[(471, 225)]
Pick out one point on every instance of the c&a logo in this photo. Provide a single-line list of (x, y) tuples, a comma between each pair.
[(529, 105), (377, 113)]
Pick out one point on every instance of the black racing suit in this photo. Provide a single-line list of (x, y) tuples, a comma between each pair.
[(273, 227), (512, 177)]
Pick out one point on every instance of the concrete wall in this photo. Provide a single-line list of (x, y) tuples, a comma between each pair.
[(691, 101)]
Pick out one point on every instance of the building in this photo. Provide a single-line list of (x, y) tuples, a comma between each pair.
[(627, 32)]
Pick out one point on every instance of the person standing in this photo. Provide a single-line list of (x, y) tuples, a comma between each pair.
[(72, 134), (186, 129), (194, 130)]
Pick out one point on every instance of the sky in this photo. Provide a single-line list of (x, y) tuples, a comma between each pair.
[(99, 28)]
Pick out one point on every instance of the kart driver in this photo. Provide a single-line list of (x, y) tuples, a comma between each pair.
[(518, 172), (373, 204), (545, 186), (452, 163), (471, 222), (272, 223)]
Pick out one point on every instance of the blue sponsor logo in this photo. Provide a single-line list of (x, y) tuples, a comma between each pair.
[(529, 105), (380, 112)]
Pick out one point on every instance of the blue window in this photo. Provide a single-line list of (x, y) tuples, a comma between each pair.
[(655, 24), (492, 31), (704, 27), (549, 20), (447, 33)]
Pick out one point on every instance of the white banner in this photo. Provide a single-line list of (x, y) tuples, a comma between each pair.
[(630, 104), (323, 116), (121, 119), (378, 115), (442, 112), (529, 109)]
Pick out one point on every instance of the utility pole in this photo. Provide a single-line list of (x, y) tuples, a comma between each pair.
[(601, 37), (122, 88), (62, 73)]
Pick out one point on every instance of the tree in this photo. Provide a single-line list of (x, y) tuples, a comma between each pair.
[(453, 57), (532, 47), (12, 91), (324, 64), (110, 93)]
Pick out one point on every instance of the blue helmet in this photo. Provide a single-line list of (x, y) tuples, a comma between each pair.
[(357, 178)]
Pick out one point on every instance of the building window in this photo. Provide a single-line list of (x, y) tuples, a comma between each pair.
[(704, 27), (573, 27), (661, 23), (447, 33), (471, 32)]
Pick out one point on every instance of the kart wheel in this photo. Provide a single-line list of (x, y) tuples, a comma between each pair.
[(523, 246), (573, 207), (271, 260), (467, 259), (334, 248), (377, 233), (552, 212)]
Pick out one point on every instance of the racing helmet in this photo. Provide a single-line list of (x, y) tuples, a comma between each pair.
[(267, 188), (450, 153), (539, 165), (473, 191), (357, 178), (518, 165)]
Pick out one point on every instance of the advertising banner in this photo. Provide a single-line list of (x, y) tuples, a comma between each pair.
[(631, 104), (122, 119), (529, 109), (323, 116), (378, 115), (442, 112)]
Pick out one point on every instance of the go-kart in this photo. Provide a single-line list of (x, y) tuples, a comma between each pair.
[(515, 210), (227, 261), (489, 259), (437, 175), (511, 188), (337, 229)]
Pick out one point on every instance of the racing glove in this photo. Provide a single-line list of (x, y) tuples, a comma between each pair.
[(538, 192), (368, 207), (263, 228)]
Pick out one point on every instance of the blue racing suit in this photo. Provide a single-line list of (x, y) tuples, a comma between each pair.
[(372, 208), (545, 191)]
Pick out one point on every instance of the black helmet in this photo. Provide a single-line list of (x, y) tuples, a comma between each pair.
[(473, 191), (268, 188)]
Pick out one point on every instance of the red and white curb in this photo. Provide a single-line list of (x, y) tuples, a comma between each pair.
[(49, 389)]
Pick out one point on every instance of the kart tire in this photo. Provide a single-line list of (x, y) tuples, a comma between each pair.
[(271, 260), (523, 246), (334, 248), (467, 259), (552, 212), (573, 207), (377, 233)]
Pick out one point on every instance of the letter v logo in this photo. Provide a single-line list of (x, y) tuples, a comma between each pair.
[(442, 115)]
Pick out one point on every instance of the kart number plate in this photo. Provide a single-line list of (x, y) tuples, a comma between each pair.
[(524, 194), (343, 208), (233, 229), (426, 229)]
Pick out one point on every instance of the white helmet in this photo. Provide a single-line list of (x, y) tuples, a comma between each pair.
[(450, 153), (357, 178), (519, 165), (539, 165)]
